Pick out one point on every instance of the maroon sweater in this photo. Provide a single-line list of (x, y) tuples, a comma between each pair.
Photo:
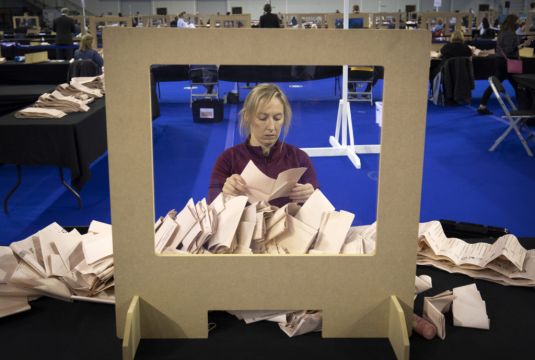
[(281, 157)]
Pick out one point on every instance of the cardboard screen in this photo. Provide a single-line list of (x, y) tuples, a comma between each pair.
[(176, 292)]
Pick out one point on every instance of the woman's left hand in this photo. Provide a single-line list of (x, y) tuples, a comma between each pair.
[(301, 192)]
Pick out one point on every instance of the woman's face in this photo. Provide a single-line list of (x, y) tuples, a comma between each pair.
[(266, 124)]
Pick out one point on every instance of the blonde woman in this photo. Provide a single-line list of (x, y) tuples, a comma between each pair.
[(86, 51), (265, 115), (456, 47)]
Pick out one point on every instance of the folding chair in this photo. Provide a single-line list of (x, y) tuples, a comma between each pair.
[(517, 118), (360, 84)]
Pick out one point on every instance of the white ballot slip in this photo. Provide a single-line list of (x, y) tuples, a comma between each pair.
[(469, 309), (434, 309)]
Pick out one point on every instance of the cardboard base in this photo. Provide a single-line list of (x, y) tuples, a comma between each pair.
[(132, 330), (397, 329)]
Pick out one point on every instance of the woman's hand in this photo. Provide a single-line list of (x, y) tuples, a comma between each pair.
[(234, 185), (301, 192)]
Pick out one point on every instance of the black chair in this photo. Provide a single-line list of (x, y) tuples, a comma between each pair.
[(455, 81), (206, 76), (516, 118), (84, 67)]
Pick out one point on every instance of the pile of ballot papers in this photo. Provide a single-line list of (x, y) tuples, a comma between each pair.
[(231, 225), (60, 264), (66, 98), (505, 261)]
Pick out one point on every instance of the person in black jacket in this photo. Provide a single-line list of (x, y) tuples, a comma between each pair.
[(269, 20), (507, 45), (456, 47), (64, 28)]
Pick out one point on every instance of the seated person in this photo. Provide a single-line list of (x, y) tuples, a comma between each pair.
[(456, 47), (86, 51), (266, 111)]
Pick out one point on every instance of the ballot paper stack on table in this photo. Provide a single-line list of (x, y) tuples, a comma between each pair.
[(67, 98), (59, 264), (250, 225), (505, 261)]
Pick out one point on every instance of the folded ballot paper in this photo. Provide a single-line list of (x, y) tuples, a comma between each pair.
[(468, 309), (505, 261), (60, 264), (263, 188)]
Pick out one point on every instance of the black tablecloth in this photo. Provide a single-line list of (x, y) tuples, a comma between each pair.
[(73, 141), (87, 331), (9, 51), (14, 97), (251, 73), (39, 73), (484, 67), (170, 72)]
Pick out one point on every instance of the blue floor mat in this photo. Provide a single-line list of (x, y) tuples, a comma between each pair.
[(462, 180)]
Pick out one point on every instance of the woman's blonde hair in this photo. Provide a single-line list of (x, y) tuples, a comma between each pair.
[(86, 43), (457, 37), (260, 95)]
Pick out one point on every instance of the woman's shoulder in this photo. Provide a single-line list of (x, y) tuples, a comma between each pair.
[(293, 150)]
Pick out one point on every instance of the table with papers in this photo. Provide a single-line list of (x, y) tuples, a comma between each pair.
[(87, 331)]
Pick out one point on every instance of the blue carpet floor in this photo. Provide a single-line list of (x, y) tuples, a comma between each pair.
[(462, 181)]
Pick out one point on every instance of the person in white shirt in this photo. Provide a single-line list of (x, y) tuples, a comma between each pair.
[(181, 23)]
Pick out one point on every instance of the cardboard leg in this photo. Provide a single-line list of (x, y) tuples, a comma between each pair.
[(397, 330), (132, 330)]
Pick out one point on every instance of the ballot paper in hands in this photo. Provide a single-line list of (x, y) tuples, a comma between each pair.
[(262, 187)]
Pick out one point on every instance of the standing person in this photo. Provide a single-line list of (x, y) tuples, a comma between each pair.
[(507, 45), (266, 111), (269, 20), (64, 28), (485, 31), (86, 51)]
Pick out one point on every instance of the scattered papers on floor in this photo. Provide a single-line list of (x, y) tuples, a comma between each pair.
[(505, 261), (60, 264)]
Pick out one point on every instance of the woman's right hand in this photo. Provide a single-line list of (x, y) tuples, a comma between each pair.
[(235, 185)]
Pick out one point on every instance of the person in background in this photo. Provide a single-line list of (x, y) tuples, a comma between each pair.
[(438, 28), (485, 31), (456, 47), (356, 9), (269, 20), (266, 112), (86, 51), (64, 28), (181, 23), (506, 46)]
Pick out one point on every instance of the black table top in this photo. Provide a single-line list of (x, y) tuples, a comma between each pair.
[(87, 331), (526, 80), (73, 141), (50, 72)]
